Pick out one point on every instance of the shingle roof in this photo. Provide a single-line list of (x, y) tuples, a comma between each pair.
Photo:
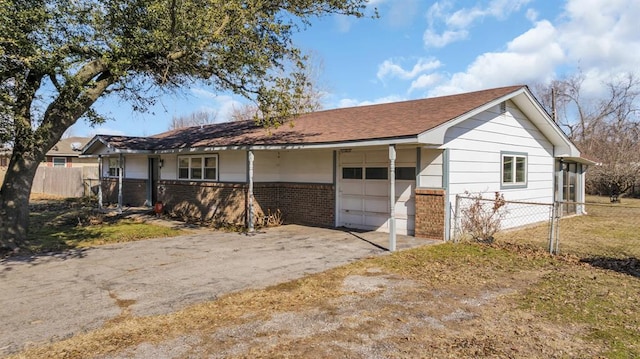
[(70, 146), (383, 121)]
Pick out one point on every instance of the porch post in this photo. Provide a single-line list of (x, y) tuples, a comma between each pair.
[(120, 170), (392, 197), (250, 159), (100, 181)]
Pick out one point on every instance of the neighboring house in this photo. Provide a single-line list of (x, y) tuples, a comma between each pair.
[(334, 168), (66, 153)]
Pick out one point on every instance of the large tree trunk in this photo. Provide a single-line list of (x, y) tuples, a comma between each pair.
[(14, 201)]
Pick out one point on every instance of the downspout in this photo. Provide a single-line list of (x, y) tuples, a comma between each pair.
[(392, 197), (250, 215)]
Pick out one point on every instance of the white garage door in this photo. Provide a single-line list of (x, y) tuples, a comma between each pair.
[(363, 190)]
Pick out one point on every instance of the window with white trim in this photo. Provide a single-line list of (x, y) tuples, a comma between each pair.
[(198, 168), (514, 169), (59, 161), (114, 167)]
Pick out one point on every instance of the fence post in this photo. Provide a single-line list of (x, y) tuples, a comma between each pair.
[(557, 228), (456, 218), (552, 220)]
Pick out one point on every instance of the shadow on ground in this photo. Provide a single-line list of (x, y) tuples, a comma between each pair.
[(629, 266)]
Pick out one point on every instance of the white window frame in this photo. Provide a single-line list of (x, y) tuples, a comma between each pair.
[(114, 167), (201, 169), (513, 182), (53, 162)]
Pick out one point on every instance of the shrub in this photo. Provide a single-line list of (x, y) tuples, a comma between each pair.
[(483, 218)]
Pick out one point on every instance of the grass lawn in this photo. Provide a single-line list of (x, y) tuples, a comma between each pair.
[(507, 300), (62, 224)]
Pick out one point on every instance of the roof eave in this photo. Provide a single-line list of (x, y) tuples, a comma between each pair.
[(296, 146), (436, 135)]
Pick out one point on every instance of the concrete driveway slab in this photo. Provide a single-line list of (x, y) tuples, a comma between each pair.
[(49, 298)]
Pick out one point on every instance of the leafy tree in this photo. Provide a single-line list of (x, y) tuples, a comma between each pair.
[(57, 57), (606, 128)]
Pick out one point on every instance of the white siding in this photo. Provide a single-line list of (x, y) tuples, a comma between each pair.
[(431, 168), (312, 166), (169, 170), (266, 166), (232, 166), (136, 167), (475, 147), (306, 166)]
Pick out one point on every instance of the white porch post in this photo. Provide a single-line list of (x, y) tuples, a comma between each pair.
[(100, 182), (250, 159), (120, 173), (392, 197)]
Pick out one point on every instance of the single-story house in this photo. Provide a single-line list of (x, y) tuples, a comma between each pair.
[(66, 153), (366, 167)]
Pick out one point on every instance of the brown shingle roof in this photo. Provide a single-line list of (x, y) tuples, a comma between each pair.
[(383, 121), (70, 146)]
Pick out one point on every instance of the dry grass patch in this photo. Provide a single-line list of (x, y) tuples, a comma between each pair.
[(61, 224), (507, 300)]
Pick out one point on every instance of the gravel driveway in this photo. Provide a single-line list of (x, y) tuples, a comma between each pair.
[(49, 298)]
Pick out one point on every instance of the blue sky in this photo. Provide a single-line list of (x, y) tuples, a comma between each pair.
[(419, 49)]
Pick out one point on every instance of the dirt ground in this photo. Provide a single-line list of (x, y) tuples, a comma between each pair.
[(52, 297), (380, 315)]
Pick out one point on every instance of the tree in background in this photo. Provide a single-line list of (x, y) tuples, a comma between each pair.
[(605, 128), (310, 99), (57, 57), (198, 118)]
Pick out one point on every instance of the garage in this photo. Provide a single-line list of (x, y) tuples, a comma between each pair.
[(363, 190)]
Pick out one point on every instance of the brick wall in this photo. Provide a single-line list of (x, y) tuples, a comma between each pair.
[(307, 203), (300, 203), (430, 213), (134, 191), (211, 201)]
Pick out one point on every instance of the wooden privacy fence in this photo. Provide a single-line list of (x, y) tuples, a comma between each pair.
[(65, 181)]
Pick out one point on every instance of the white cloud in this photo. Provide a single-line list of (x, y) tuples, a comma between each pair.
[(602, 35), (433, 39), (424, 81), (458, 23), (599, 37), (391, 69), (530, 57), (349, 102)]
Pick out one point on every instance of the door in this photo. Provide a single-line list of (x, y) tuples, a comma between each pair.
[(569, 183), (363, 190)]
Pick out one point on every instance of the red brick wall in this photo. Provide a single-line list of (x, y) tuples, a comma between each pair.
[(134, 191), (211, 201), (310, 204), (430, 213)]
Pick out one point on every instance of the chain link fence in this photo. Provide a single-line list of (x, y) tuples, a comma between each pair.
[(592, 229)]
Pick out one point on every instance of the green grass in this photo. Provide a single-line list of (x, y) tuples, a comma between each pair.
[(59, 225)]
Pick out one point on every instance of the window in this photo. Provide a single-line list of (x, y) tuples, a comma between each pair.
[(376, 173), (514, 169), (59, 162), (198, 167), (114, 167), (406, 173), (352, 172)]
